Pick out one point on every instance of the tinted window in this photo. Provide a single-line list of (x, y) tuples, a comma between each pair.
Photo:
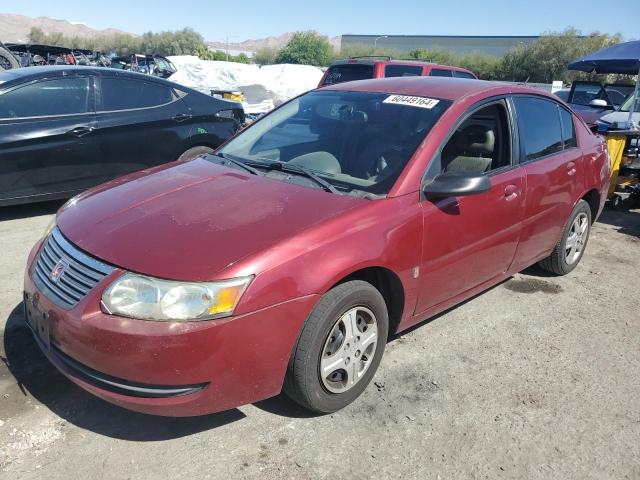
[(568, 129), (440, 72), (348, 73), (402, 71), (480, 144), (65, 96), (539, 123), (584, 93), (125, 94), (355, 140), (458, 74)]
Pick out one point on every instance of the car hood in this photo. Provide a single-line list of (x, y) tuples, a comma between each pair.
[(620, 117), (193, 220)]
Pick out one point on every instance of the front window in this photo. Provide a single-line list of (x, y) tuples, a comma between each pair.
[(356, 141)]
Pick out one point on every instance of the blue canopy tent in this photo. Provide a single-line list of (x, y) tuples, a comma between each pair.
[(622, 58)]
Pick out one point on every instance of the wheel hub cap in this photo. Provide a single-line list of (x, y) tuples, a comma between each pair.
[(577, 238), (348, 349)]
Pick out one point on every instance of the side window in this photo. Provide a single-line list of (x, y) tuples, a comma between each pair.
[(482, 142), (127, 94), (539, 125), (440, 72), (64, 96), (568, 129), (458, 74), (402, 71)]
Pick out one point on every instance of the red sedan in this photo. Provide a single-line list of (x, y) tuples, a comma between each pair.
[(286, 259)]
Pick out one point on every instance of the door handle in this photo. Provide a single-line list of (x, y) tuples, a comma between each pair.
[(80, 131), (571, 168), (181, 117), (511, 192)]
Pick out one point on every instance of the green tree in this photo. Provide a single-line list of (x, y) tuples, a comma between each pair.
[(265, 56), (307, 48)]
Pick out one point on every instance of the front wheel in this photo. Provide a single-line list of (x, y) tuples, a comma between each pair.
[(569, 250), (339, 349)]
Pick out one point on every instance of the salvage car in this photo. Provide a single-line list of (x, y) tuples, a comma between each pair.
[(65, 129), (363, 68), (285, 259), (592, 100)]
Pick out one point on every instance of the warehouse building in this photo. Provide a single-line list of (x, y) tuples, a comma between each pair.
[(492, 45)]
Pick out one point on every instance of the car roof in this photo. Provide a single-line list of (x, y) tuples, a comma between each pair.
[(436, 87), (393, 61), (33, 73)]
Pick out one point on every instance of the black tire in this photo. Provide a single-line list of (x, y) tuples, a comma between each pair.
[(7, 60), (303, 383), (194, 152), (557, 262)]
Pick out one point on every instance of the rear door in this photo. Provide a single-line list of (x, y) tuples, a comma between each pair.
[(140, 124), (46, 142), (471, 240), (554, 171)]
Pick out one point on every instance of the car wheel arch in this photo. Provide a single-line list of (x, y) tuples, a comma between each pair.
[(387, 282)]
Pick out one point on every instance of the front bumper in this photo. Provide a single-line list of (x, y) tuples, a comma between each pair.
[(169, 368)]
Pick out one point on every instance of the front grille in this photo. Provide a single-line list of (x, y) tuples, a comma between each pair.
[(65, 274)]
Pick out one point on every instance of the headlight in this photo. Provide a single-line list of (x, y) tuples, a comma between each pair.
[(149, 298)]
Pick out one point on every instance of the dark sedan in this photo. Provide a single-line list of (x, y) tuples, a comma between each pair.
[(65, 129)]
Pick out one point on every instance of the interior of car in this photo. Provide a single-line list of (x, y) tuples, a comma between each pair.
[(480, 144)]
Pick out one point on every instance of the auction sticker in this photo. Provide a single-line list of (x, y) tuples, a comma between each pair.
[(420, 102)]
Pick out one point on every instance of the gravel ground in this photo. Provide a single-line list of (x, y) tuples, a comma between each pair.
[(536, 378)]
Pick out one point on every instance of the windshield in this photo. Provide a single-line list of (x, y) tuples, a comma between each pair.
[(356, 141), (627, 104), (348, 73)]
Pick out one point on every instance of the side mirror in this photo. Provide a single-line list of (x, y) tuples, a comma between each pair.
[(598, 103), (457, 184)]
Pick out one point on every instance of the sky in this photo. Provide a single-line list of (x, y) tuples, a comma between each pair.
[(243, 19)]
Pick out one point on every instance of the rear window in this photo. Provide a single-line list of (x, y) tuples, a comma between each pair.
[(127, 94), (402, 71), (348, 73), (440, 72), (459, 74)]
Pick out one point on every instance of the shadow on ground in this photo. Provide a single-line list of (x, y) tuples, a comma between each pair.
[(16, 212), (36, 377), (625, 221)]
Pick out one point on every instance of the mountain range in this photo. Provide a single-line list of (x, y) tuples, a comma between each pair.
[(15, 28)]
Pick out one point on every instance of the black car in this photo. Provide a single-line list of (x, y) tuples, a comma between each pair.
[(66, 128)]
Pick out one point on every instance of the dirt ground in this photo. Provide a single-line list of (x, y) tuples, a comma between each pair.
[(537, 378)]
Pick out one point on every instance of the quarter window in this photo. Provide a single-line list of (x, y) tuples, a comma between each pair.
[(539, 124), (402, 71), (128, 94), (459, 74), (64, 96)]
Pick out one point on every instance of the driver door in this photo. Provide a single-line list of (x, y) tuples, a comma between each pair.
[(471, 240)]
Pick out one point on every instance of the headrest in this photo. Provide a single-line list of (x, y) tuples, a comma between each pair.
[(476, 140), (320, 161)]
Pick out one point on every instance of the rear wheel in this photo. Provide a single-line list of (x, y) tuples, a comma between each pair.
[(569, 250), (194, 152), (7, 60), (339, 349)]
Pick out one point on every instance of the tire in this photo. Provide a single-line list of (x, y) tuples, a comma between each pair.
[(565, 257), (194, 152), (7, 60), (328, 338)]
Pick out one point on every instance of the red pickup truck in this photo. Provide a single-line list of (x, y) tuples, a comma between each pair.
[(285, 259)]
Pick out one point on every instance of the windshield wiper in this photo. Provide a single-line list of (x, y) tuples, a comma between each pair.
[(297, 170), (239, 163)]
